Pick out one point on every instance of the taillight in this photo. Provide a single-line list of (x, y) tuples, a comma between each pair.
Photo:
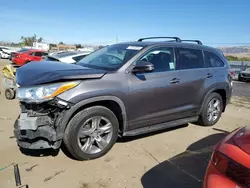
[(220, 161), (231, 73), (231, 169)]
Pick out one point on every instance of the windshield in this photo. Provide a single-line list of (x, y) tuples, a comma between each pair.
[(110, 57)]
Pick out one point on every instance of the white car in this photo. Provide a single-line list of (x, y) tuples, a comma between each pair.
[(67, 57), (5, 52)]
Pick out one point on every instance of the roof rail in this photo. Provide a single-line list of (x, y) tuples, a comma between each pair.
[(197, 41), (177, 39)]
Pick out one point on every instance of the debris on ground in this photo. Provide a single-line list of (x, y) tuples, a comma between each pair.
[(17, 175), (4, 118), (51, 177), (30, 168)]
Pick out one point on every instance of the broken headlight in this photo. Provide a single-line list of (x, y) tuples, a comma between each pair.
[(44, 92)]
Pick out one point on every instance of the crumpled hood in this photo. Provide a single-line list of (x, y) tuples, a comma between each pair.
[(42, 72)]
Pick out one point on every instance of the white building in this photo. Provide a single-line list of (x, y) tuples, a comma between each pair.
[(41, 46)]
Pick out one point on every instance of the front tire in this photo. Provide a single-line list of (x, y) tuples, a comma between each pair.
[(91, 133), (211, 111)]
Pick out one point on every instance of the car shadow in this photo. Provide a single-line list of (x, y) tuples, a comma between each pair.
[(47, 152), (185, 170), (39, 153)]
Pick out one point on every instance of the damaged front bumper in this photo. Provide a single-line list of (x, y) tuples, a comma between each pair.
[(37, 126)]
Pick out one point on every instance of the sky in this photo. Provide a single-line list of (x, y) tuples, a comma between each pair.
[(215, 22)]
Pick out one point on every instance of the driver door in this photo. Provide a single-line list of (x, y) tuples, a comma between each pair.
[(153, 96)]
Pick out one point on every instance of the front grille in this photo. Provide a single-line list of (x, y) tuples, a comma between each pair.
[(40, 109)]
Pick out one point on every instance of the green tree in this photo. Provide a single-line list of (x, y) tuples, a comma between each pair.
[(40, 39), (234, 58), (28, 41), (78, 45), (61, 42)]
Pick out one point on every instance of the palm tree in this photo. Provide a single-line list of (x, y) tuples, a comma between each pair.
[(40, 39)]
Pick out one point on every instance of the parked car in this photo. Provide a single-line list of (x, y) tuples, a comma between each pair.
[(244, 76), (229, 165), (123, 89), (5, 52), (12, 54), (26, 56), (67, 57)]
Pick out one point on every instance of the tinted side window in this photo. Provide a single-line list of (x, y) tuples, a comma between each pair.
[(212, 60), (78, 58), (189, 58), (39, 54), (162, 59)]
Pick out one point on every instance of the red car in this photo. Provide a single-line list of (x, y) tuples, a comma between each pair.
[(22, 58), (230, 163)]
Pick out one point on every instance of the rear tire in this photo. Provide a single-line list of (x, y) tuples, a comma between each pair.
[(83, 137), (210, 114)]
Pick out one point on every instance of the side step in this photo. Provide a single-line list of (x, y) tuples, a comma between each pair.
[(160, 126)]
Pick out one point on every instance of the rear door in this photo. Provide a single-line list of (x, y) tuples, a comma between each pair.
[(153, 97), (194, 79)]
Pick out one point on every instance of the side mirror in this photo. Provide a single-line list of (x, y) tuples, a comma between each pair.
[(143, 66)]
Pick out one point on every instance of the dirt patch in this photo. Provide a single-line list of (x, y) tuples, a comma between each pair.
[(243, 102)]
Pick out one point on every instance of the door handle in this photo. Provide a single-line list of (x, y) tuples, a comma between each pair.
[(209, 75), (175, 81)]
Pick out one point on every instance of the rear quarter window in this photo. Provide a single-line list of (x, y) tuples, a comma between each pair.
[(189, 58), (212, 60)]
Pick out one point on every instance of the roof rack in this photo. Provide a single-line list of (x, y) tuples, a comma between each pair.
[(177, 39), (197, 41)]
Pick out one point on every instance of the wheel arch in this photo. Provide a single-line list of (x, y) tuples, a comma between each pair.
[(106, 101), (221, 90)]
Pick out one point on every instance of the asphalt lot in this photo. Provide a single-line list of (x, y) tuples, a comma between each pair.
[(172, 158), (241, 89)]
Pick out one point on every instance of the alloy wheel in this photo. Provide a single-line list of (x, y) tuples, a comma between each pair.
[(213, 109), (95, 134)]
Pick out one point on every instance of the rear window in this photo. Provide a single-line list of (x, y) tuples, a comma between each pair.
[(212, 60), (189, 58)]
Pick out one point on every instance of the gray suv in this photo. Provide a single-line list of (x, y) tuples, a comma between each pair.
[(123, 89)]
